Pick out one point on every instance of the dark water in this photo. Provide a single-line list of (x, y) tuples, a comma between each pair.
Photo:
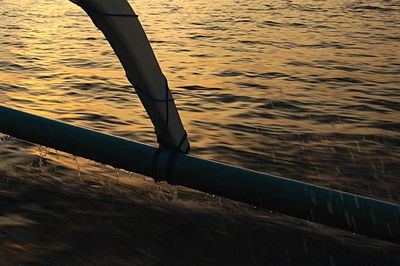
[(309, 90)]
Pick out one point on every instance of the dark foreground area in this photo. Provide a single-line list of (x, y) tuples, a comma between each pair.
[(97, 221)]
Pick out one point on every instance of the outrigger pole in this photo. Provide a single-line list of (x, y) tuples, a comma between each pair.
[(343, 210), (121, 27), (169, 162)]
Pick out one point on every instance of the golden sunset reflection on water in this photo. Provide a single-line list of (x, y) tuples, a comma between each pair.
[(285, 87), (304, 89)]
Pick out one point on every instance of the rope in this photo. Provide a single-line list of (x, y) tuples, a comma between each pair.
[(161, 135), (108, 14)]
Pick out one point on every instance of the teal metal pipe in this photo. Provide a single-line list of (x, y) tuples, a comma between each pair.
[(343, 210)]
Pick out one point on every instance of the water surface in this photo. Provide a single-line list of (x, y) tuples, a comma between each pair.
[(309, 90)]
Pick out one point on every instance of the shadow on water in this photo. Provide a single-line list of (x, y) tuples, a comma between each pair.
[(45, 222)]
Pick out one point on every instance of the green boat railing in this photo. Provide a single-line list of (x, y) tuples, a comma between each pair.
[(343, 210)]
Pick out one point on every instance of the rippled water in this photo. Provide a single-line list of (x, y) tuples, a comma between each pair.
[(305, 89)]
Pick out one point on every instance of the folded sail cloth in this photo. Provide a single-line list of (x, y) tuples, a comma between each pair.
[(121, 26)]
